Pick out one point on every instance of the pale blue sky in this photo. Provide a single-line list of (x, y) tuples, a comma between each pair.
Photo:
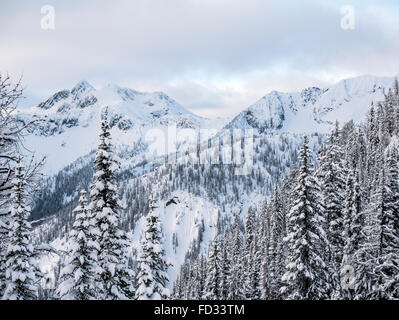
[(213, 56)]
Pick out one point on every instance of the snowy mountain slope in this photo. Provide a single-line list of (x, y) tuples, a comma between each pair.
[(212, 192), (183, 218), (68, 126), (313, 109), (68, 122), (192, 200)]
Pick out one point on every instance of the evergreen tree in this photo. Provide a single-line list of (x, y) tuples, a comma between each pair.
[(19, 261), (307, 271), (77, 281), (253, 285), (250, 228), (236, 275), (250, 234), (367, 280), (152, 269), (387, 268), (114, 277), (353, 226), (201, 275), (275, 254), (332, 180), (225, 268), (214, 274)]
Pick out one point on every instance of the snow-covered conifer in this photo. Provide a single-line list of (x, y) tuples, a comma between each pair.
[(76, 277), (152, 275), (214, 274), (19, 262), (236, 275), (307, 270), (113, 275)]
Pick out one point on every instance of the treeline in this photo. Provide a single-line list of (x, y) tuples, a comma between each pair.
[(330, 230)]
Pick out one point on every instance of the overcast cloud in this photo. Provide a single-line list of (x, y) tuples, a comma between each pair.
[(213, 56)]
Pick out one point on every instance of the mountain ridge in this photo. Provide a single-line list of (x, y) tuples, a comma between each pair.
[(276, 111)]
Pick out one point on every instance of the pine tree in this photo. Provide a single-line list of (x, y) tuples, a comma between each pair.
[(263, 234), (275, 254), (373, 148), (77, 281), (113, 275), (20, 265), (388, 260), (307, 272), (332, 180), (367, 280), (250, 234), (253, 285), (353, 227), (250, 228), (236, 275), (225, 268), (201, 275), (152, 268), (214, 274), (4, 240)]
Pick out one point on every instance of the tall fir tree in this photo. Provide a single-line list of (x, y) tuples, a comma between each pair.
[(331, 174), (387, 268), (307, 274), (214, 272), (201, 275), (76, 277), (152, 275), (275, 254), (367, 280), (353, 228), (225, 267), (113, 275), (235, 279), (20, 264)]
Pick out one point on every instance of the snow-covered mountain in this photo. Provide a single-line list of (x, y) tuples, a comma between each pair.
[(68, 122), (313, 109), (193, 200)]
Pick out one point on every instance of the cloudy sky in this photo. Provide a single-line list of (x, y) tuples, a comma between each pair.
[(215, 57)]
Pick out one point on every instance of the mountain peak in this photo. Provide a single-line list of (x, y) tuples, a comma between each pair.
[(82, 86), (313, 109)]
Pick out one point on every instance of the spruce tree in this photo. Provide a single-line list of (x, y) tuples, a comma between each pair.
[(388, 260), (307, 270), (353, 228), (225, 268), (152, 275), (332, 181), (113, 275), (368, 281), (235, 280), (76, 277), (200, 285), (214, 273), (20, 264), (253, 285), (275, 254)]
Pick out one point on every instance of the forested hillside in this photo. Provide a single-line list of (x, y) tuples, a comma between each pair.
[(329, 231)]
